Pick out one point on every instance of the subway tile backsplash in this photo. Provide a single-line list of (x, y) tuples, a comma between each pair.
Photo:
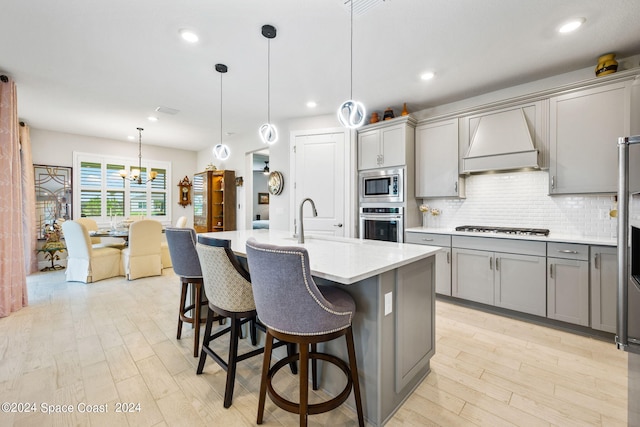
[(520, 199)]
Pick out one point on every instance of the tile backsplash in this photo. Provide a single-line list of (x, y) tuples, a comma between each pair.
[(520, 199)]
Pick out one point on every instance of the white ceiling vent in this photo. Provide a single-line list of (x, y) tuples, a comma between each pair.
[(167, 110), (360, 7)]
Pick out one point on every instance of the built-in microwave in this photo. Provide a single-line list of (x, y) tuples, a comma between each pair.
[(382, 186)]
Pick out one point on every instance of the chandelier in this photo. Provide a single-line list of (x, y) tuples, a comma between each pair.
[(136, 174)]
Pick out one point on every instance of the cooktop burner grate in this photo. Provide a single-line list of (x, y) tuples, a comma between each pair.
[(505, 230)]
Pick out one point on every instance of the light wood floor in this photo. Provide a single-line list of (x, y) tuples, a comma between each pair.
[(114, 341)]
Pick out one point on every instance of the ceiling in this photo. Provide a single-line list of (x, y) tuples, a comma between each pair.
[(100, 68)]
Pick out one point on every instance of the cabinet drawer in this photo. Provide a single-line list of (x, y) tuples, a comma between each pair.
[(431, 239), (568, 251), (513, 246)]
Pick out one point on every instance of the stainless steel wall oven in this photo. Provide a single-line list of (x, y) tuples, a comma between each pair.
[(382, 223)]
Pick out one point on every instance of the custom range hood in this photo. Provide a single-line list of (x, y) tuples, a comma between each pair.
[(500, 141)]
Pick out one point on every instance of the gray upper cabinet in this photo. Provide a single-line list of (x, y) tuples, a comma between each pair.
[(584, 129), (437, 160), (385, 144)]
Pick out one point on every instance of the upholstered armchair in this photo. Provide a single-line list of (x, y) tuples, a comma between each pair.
[(84, 262), (142, 258)]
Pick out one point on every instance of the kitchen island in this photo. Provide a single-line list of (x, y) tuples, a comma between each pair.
[(394, 326)]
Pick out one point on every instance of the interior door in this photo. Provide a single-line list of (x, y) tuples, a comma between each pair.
[(319, 163)]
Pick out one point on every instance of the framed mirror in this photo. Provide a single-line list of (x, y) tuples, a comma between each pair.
[(54, 192)]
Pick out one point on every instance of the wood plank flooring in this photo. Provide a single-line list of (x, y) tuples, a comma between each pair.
[(114, 342)]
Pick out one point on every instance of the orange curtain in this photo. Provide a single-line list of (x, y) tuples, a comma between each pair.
[(13, 278)]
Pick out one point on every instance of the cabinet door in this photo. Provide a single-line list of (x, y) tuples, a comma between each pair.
[(437, 159), (443, 272), (568, 290), (473, 275), (584, 130), (604, 280), (393, 145), (520, 283), (369, 156)]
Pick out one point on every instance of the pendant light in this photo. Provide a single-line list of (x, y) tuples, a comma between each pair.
[(351, 113), (221, 151), (136, 174), (268, 132)]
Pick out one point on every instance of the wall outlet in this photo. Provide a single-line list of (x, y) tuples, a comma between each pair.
[(388, 303)]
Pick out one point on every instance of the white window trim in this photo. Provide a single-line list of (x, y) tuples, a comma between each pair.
[(104, 220)]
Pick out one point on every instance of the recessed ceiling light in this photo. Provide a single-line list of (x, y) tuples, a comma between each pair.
[(312, 104), (131, 137), (428, 75), (571, 25), (189, 36), (152, 119)]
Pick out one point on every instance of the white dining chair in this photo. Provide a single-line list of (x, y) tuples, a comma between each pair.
[(142, 258)]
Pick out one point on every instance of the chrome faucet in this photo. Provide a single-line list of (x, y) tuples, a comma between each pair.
[(315, 213)]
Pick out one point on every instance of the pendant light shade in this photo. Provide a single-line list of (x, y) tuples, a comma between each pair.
[(221, 151), (136, 174), (268, 132), (351, 113)]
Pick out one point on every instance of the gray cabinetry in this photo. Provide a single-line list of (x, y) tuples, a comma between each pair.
[(437, 160), (603, 275), (505, 273), (386, 144), (443, 258), (584, 129), (568, 283)]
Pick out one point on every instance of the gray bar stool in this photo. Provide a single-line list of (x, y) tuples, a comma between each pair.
[(182, 249), (295, 310), (229, 291)]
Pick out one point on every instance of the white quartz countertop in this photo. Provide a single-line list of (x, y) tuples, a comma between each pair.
[(552, 237), (339, 259)]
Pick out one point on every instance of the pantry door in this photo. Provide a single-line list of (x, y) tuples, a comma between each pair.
[(321, 165)]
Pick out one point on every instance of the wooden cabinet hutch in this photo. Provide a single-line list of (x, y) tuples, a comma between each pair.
[(214, 201)]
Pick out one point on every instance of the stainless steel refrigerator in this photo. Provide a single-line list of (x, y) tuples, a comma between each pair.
[(628, 322)]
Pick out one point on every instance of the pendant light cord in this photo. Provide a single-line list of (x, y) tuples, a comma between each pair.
[(268, 80), (220, 108), (351, 52)]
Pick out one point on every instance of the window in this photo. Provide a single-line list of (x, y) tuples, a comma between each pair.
[(103, 194)]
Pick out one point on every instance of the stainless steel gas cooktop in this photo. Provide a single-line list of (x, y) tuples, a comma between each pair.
[(504, 230)]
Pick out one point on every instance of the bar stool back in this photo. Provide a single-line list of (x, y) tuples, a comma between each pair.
[(295, 310)]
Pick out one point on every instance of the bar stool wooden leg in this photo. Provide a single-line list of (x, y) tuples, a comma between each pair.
[(353, 366), (205, 341), (268, 347), (304, 384), (183, 299), (196, 317)]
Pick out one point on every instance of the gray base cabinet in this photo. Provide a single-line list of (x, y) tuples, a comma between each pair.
[(568, 283), (604, 279), (443, 258), (511, 276)]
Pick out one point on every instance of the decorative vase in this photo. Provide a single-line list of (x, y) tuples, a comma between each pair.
[(388, 114), (425, 219), (404, 110), (374, 117), (607, 64)]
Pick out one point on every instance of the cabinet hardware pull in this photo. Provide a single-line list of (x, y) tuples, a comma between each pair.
[(497, 264), (551, 271), (490, 263), (596, 265), (338, 225), (448, 257), (455, 186), (427, 240), (567, 251), (553, 182)]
